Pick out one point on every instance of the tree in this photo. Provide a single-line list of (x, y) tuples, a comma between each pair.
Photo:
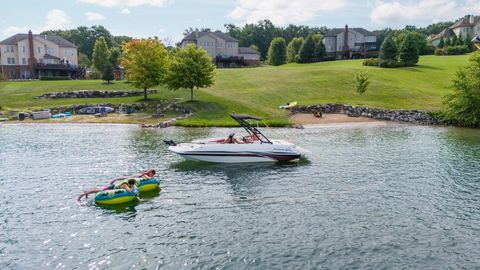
[(420, 40), (454, 40), (462, 106), (317, 38), (468, 42), (448, 42), (409, 51), (83, 60), (320, 51), (361, 82), (101, 55), (441, 44), (145, 62), (293, 48), (307, 50), (107, 74), (388, 53), (277, 52), (114, 57), (190, 68)]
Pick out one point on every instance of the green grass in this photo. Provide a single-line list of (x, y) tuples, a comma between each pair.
[(261, 90)]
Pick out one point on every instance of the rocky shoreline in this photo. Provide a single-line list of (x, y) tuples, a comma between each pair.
[(408, 116), (93, 94)]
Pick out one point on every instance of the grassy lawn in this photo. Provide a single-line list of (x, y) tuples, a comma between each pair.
[(260, 91)]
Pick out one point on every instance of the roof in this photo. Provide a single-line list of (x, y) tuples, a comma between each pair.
[(49, 56), (194, 36), (58, 40), (247, 50), (447, 32), (465, 22), (335, 31)]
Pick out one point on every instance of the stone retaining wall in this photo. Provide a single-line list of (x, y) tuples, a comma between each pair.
[(93, 94), (172, 107), (410, 116)]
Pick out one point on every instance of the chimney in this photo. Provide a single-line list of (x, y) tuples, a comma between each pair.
[(472, 19), (345, 42), (31, 56)]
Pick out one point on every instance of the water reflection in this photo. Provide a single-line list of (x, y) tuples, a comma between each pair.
[(128, 207)]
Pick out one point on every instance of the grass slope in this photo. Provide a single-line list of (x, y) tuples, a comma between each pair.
[(259, 91)]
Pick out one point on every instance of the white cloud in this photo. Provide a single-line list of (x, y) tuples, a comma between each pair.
[(127, 3), (395, 13), (125, 11), (282, 11), (94, 16), (56, 19)]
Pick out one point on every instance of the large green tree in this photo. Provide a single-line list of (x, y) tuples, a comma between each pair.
[(101, 55), (145, 62), (463, 105), (190, 68), (107, 73), (388, 52), (409, 51), (277, 52), (320, 50), (306, 53), (293, 48), (420, 40)]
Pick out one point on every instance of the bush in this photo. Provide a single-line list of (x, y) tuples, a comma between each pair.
[(372, 62), (430, 50), (462, 105), (439, 51), (54, 78), (456, 50), (277, 52), (389, 64)]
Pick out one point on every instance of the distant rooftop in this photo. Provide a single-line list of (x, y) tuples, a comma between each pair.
[(194, 36), (335, 31), (58, 40)]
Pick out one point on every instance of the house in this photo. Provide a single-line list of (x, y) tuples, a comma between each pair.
[(463, 27), (28, 56), (348, 43), (223, 49)]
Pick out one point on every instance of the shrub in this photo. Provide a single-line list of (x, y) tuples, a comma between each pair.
[(54, 78), (277, 52), (439, 51), (430, 50), (372, 62), (389, 64), (462, 105), (456, 50), (361, 82)]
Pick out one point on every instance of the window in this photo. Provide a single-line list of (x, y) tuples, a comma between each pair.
[(10, 60), (39, 49), (23, 48), (12, 49), (24, 61), (51, 51), (13, 61)]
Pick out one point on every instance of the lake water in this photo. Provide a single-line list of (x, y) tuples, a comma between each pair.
[(395, 196)]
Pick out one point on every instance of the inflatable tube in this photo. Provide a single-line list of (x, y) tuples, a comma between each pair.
[(145, 185), (114, 196)]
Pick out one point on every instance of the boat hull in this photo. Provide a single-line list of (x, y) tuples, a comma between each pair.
[(236, 153)]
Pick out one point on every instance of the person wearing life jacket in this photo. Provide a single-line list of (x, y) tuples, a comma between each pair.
[(148, 174), (127, 184)]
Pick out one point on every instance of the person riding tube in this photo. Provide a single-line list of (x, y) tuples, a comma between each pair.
[(128, 185)]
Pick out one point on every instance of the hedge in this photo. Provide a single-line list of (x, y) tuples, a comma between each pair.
[(54, 78)]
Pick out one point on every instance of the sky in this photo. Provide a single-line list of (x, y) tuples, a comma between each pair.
[(167, 19)]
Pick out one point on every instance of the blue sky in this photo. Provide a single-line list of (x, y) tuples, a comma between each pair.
[(168, 18)]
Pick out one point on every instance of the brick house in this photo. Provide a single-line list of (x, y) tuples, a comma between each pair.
[(28, 56)]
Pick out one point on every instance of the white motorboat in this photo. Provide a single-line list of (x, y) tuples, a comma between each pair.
[(255, 147)]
